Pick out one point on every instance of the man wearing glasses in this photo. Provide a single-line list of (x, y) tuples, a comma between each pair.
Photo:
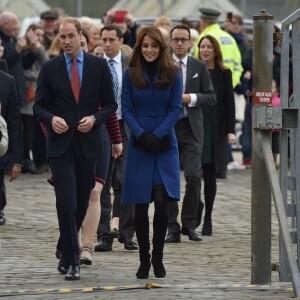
[(198, 91)]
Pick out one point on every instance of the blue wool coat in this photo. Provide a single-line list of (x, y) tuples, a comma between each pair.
[(154, 110)]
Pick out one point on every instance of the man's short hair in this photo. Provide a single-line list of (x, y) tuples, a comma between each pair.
[(180, 26), (110, 27)]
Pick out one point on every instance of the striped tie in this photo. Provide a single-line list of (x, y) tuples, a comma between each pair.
[(181, 64), (114, 76)]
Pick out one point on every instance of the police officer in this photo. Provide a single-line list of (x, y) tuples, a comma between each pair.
[(230, 51)]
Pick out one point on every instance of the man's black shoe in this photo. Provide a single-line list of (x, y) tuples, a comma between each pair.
[(104, 244), (192, 234), (62, 269), (221, 175), (129, 244), (73, 273), (173, 237), (2, 218), (29, 167)]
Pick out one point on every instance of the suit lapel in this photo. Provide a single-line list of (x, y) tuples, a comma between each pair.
[(189, 74), (124, 61)]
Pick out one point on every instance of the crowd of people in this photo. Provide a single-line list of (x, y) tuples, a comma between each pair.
[(121, 108)]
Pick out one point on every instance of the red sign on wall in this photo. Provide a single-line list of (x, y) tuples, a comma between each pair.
[(263, 97)]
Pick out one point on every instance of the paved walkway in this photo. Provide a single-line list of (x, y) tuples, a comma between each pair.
[(216, 268)]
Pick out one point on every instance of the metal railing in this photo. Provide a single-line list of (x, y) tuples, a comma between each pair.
[(264, 176)]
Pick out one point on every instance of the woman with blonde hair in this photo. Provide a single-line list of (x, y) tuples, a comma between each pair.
[(55, 48), (94, 35), (126, 50), (98, 49), (164, 22)]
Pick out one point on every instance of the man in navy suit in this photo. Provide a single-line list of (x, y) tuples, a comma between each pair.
[(70, 110)]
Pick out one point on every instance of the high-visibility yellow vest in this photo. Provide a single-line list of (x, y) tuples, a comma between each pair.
[(230, 51)]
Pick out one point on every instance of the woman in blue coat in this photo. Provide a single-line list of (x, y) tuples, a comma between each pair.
[(151, 105)]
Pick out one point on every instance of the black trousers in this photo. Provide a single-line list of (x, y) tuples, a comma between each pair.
[(2, 190), (190, 155), (114, 180), (74, 179), (27, 123), (38, 145)]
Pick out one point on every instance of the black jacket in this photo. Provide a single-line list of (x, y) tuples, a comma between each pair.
[(54, 97), (10, 110), (17, 63)]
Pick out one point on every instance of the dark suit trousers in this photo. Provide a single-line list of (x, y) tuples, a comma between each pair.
[(38, 145), (74, 179), (190, 155), (114, 180)]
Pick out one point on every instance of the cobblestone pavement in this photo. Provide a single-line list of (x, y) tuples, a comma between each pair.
[(219, 267)]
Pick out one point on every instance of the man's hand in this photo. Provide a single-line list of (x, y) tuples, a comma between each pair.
[(116, 150), (14, 172), (86, 124), (33, 40), (186, 98), (59, 125), (231, 138), (21, 44), (1, 51)]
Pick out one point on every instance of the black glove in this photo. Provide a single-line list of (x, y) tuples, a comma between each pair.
[(147, 141), (165, 142)]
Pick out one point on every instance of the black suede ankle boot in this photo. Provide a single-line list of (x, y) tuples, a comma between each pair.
[(143, 271), (207, 227), (158, 266)]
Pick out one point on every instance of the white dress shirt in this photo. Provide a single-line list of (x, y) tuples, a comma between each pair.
[(184, 72), (118, 67)]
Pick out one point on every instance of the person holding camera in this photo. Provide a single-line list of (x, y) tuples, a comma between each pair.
[(20, 54)]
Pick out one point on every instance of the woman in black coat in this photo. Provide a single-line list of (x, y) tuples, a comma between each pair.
[(218, 122)]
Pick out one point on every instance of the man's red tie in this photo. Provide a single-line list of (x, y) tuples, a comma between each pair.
[(75, 80)]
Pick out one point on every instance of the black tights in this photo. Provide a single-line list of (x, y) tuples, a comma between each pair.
[(160, 199), (160, 220), (210, 188)]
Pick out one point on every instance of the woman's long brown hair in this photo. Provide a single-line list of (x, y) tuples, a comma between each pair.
[(166, 68), (218, 53)]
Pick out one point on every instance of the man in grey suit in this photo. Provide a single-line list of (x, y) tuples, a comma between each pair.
[(111, 36), (198, 91)]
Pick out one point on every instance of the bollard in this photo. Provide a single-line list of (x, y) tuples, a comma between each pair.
[(261, 191)]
